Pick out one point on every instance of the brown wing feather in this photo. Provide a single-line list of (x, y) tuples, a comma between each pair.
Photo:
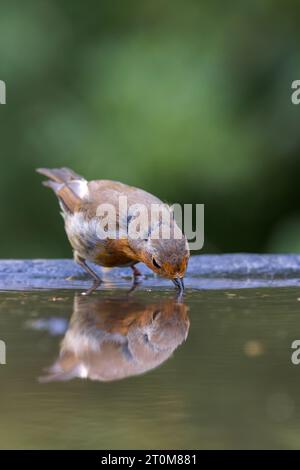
[(108, 191), (58, 182), (69, 200), (63, 182)]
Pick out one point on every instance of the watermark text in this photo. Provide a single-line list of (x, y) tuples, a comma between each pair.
[(2, 352), (2, 92)]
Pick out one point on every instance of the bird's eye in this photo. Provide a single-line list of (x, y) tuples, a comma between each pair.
[(155, 263)]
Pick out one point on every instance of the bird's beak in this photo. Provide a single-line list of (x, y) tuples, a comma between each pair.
[(178, 281)]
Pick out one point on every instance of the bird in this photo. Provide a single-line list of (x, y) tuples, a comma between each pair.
[(111, 339), (86, 225)]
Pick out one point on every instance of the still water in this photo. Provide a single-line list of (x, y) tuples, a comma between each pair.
[(149, 371)]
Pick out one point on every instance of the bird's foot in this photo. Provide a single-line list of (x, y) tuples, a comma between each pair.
[(94, 287), (137, 279)]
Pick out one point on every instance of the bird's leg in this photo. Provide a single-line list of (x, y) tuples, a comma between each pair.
[(136, 273), (133, 287), (97, 280), (136, 278)]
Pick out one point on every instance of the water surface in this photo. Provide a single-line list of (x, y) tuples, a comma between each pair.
[(145, 371)]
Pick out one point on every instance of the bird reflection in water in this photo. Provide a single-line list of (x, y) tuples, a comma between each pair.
[(113, 339)]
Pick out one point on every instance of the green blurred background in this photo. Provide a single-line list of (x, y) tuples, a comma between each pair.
[(190, 100)]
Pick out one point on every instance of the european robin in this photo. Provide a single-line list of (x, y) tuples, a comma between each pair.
[(160, 243), (113, 339)]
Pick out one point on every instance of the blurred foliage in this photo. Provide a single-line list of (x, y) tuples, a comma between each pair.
[(189, 100)]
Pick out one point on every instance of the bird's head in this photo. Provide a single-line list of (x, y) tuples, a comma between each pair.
[(167, 257)]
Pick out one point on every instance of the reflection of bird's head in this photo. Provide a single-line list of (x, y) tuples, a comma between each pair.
[(111, 339)]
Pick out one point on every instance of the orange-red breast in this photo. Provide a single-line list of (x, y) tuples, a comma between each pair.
[(80, 200)]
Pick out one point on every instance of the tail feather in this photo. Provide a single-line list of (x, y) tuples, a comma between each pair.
[(60, 175), (67, 185), (53, 185), (58, 374)]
